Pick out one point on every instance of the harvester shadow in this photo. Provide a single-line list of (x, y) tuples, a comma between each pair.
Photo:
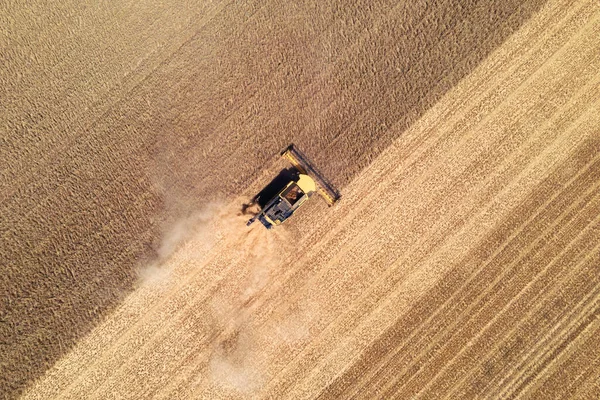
[(278, 183)]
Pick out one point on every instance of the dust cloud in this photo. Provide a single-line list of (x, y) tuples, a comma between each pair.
[(238, 361), (245, 350), (240, 354), (196, 225)]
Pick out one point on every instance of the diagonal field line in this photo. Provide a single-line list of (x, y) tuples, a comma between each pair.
[(491, 258), (514, 299), (585, 373), (571, 245), (593, 386), (553, 342)]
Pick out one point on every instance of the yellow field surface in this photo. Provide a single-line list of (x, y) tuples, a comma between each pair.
[(462, 261)]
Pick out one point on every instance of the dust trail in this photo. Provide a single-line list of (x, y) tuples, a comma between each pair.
[(238, 361), (245, 349), (192, 224), (234, 361)]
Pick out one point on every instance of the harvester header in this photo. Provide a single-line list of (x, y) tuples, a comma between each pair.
[(301, 163)]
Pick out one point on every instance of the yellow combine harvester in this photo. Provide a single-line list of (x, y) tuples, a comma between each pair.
[(307, 180)]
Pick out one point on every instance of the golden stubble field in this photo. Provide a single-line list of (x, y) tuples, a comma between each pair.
[(462, 261)]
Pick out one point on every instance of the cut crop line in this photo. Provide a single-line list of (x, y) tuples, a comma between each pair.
[(359, 116), (547, 338), (587, 375), (551, 336), (481, 93), (477, 93), (383, 278), (374, 195), (449, 302), (433, 316), (491, 286), (538, 276), (552, 344), (584, 374), (492, 351), (554, 335)]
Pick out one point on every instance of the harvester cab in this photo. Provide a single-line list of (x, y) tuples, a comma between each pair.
[(305, 182)]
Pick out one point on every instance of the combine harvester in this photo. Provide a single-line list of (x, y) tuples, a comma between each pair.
[(296, 191)]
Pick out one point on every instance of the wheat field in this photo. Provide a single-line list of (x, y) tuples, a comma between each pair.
[(462, 261)]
